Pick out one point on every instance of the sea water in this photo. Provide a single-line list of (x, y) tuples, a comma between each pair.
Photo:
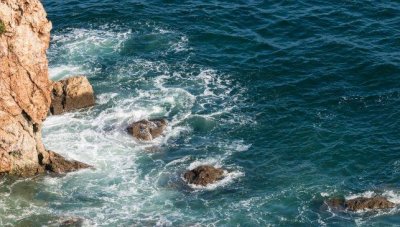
[(298, 100)]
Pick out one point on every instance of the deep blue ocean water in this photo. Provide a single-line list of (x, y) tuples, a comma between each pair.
[(298, 100)]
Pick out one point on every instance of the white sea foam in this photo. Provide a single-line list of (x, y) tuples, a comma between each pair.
[(366, 194), (63, 71)]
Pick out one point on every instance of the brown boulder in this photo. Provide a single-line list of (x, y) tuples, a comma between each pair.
[(362, 203), (203, 175), (148, 129), (71, 94)]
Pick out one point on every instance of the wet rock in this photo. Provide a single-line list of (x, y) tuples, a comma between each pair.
[(58, 164), (362, 203), (72, 222), (203, 175), (147, 129), (71, 94)]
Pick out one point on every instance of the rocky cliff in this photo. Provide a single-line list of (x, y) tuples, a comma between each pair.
[(25, 90)]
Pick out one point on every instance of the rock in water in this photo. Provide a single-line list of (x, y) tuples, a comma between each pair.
[(72, 222), (148, 129), (71, 94), (203, 175), (60, 165), (362, 203), (25, 89)]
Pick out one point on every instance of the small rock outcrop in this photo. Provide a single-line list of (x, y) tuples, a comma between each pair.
[(72, 222), (148, 129), (71, 94), (360, 203), (58, 164), (25, 88), (203, 175)]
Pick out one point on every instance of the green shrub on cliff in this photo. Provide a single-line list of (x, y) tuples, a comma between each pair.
[(2, 27)]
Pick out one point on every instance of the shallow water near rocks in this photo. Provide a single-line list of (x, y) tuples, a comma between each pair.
[(299, 101)]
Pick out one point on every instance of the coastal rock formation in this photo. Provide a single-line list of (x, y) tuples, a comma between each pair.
[(203, 175), (147, 129), (24, 87), (58, 164), (360, 203), (71, 94)]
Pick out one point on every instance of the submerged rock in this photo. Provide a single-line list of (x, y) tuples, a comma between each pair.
[(72, 222), (203, 175), (71, 94), (147, 129), (360, 203)]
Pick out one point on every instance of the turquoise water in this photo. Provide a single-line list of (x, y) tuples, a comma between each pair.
[(299, 100)]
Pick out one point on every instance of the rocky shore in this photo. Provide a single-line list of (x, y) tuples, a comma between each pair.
[(27, 97), (25, 91)]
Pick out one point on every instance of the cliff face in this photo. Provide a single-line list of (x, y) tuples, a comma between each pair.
[(24, 87)]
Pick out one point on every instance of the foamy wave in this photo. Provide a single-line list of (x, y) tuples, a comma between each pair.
[(64, 71), (90, 42), (367, 194)]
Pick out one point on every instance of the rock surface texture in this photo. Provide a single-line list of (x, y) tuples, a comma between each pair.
[(24, 87), (147, 129), (71, 94), (360, 203), (203, 175)]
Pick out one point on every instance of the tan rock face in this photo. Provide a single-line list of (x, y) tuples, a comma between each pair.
[(71, 94), (24, 86)]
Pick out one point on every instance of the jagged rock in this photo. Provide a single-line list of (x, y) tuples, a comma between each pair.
[(71, 94), (203, 175), (147, 129), (60, 165), (24, 87), (362, 203)]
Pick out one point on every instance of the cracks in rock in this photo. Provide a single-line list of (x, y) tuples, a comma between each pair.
[(64, 98)]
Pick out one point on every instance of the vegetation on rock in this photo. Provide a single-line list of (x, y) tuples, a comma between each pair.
[(2, 27)]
